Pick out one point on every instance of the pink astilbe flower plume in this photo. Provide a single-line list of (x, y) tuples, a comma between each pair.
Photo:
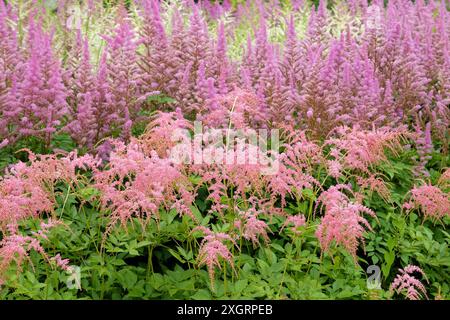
[(212, 250), (251, 227), (405, 283), (297, 221), (161, 133), (444, 179), (136, 184), (15, 248), (360, 150), (431, 201), (28, 190), (343, 222)]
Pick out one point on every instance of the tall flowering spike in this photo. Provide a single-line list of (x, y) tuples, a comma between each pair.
[(123, 75), (82, 93), (222, 69), (408, 285), (191, 49), (292, 58), (40, 97), (198, 43), (157, 62), (10, 64), (317, 24), (315, 107)]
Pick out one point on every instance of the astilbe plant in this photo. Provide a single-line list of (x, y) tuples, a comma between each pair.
[(343, 220), (431, 201), (295, 167), (444, 179), (83, 95), (408, 285), (237, 109), (29, 190), (360, 150), (164, 131), (156, 62), (296, 221), (10, 63), (213, 249), (38, 101), (388, 66), (424, 146), (123, 74), (137, 184), (16, 247)]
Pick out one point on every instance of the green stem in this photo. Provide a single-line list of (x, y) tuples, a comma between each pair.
[(149, 261), (225, 278)]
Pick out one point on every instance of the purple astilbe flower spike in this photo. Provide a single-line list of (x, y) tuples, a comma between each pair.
[(10, 69), (157, 63), (40, 96), (83, 95), (123, 74), (222, 68), (317, 25)]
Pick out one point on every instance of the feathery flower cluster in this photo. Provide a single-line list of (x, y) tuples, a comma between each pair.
[(424, 149), (28, 190), (297, 221), (251, 227), (343, 222), (15, 247), (432, 202), (407, 284), (359, 150), (212, 248), (138, 184), (38, 96)]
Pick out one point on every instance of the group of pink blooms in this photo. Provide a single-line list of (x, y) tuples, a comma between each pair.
[(357, 93)]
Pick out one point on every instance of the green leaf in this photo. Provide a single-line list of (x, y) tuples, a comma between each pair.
[(127, 278), (176, 255), (277, 247), (389, 258), (240, 285), (202, 294)]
